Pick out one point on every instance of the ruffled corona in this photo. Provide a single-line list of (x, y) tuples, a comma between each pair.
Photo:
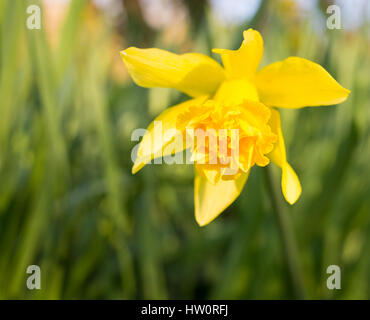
[(228, 139)]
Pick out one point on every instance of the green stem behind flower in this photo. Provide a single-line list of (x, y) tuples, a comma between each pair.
[(287, 237)]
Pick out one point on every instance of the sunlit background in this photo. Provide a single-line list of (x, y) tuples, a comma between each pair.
[(69, 203)]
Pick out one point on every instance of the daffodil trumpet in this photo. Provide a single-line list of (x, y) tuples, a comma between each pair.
[(233, 97)]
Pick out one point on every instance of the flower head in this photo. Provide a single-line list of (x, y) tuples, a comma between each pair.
[(234, 107)]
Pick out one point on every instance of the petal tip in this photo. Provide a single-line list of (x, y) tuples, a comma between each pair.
[(125, 57), (124, 54), (128, 55), (290, 185), (292, 199), (201, 223), (247, 34), (137, 167), (292, 196), (347, 92), (249, 30), (203, 219), (134, 170)]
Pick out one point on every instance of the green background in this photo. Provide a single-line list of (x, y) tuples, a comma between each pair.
[(69, 203)]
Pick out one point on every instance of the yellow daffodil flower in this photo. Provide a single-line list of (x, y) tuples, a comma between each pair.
[(236, 96)]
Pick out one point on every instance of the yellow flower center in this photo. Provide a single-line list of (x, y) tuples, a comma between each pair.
[(229, 133)]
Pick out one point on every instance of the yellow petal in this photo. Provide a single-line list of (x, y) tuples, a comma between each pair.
[(193, 73), (162, 132), (211, 199), (290, 184), (296, 83), (278, 154), (212, 173), (243, 63)]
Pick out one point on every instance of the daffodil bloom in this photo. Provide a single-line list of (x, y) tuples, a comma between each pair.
[(235, 96)]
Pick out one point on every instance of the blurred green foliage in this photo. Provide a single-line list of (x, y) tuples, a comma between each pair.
[(69, 203)]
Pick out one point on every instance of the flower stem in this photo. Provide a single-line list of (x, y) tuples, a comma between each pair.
[(287, 237)]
